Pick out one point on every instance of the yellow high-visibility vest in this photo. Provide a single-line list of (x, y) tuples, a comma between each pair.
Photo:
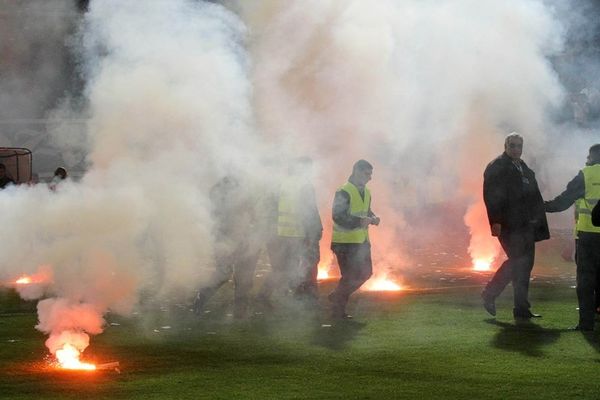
[(591, 176), (359, 207), (288, 219)]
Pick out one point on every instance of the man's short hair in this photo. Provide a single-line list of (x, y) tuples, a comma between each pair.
[(61, 171), (361, 165), (512, 135), (595, 151)]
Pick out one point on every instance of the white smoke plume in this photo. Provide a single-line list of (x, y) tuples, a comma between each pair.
[(180, 92), (424, 90), (168, 104)]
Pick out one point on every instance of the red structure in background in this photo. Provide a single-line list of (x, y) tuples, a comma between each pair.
[(18, 163)]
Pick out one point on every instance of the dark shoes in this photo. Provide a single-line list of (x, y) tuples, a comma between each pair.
[(525, 314), (341, 316), (489, 304)]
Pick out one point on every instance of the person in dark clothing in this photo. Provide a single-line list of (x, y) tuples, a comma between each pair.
[(310, 252), (60, 175), (350, 243), (596, 215), (585, 187), (235, 252), (516, 215), (5, 180), (294, 252)]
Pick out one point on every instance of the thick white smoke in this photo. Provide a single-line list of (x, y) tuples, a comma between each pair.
[(168, 106), (179, 92), (425, 90)]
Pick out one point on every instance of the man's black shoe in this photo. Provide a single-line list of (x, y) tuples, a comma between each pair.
[(525, 315), (581, 328), (489, 304)]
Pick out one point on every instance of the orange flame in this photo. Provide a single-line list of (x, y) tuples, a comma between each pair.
[(43, 275), (324, 267), (68, 358), (481, 264), (484, 248), (23, 280), (323, 274), (381, 284)]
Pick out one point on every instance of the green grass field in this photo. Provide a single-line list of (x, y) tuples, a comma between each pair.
[(437, 345)]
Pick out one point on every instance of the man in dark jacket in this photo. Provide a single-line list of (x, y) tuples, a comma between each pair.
[(585, 187), (516, 215), (294, 252)]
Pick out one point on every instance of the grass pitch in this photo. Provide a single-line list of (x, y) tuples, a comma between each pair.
[(432, 345)]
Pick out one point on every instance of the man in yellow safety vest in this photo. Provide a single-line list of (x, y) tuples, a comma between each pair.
[(585, 186), (352, 216), (295, 254)]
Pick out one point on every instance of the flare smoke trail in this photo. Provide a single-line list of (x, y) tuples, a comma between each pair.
[(168, 108), (425, 90)]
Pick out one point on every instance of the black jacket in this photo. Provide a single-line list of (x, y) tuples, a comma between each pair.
[(512, 197), (596, 214)]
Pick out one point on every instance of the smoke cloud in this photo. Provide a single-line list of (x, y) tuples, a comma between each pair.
[(425, 90), (167, 101), (178, 93)]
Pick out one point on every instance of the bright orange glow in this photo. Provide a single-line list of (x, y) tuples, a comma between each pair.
[(24, 280), (483, 248), (324, 267), (68, 358), (323, 274), (381, 284), (482, 264), (43, 275)]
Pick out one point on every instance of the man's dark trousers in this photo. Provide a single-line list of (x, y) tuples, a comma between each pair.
[(588, 268), (519, 247), (356, 268)]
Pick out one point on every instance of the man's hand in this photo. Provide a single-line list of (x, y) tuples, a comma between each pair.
[(496, 228), (366, 221)]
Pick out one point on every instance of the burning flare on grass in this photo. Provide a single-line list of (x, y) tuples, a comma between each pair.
[(482, 264), (68, 358), (324, 267), (381, 284), (484, 248), (31, 287), (322, 274), (69, 324), (43, 275), (23, 280)]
